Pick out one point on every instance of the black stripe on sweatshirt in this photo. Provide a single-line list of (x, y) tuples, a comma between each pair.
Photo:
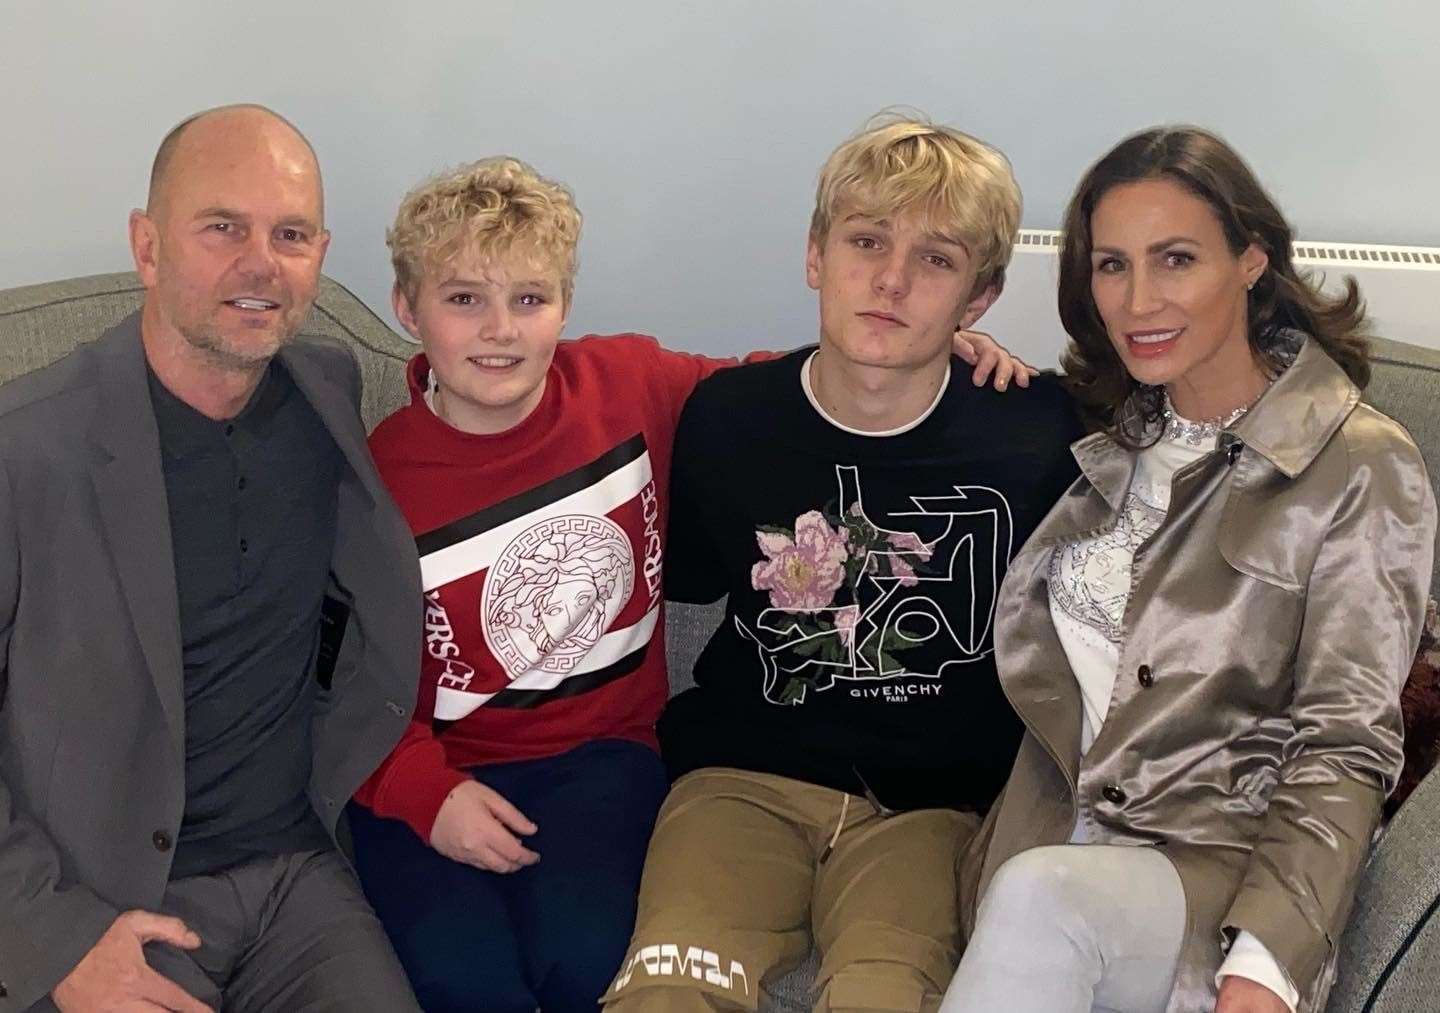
[(528, 699), (532, 499)]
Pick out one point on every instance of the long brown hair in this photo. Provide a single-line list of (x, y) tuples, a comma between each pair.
[(1282, 298)]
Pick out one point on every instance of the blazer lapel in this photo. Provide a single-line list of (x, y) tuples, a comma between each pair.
[(130, 492), (327, 396)]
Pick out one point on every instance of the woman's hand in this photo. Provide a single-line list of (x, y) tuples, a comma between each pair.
[(1241, 995), (986, 355)]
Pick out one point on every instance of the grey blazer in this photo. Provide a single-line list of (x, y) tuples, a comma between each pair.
[(91, 704)]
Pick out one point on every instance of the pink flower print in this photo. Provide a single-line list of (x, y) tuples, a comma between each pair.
[(915, 548), (907, 550), (803, 573), (900, 567), (845, 620), (909, 541)]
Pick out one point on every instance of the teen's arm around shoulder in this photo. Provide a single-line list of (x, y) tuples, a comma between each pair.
[(1364, 606), (678, 373), (47, 923)]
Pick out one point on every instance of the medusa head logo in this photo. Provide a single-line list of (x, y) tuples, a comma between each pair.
[(554, 591)]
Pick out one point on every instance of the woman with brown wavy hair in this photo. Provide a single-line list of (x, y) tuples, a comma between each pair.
[(1278, 298), (1207, 636)]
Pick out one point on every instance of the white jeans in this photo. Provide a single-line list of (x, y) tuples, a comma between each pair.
[(1074, 928)]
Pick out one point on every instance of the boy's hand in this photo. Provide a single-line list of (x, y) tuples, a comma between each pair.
[(477, 826), (987, 355)]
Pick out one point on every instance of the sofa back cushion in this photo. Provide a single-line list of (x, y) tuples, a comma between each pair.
[(1405, 384)]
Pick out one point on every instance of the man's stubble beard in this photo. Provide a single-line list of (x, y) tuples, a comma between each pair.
[(220, 351)]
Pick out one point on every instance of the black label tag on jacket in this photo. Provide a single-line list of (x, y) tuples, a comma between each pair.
[(334, 617)]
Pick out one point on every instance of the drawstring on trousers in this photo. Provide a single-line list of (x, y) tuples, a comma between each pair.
[(839, 826)]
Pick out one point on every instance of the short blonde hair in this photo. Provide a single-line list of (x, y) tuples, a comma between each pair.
[(491, 208), (963, 187)]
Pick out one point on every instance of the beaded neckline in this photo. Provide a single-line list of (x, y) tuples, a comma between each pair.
[(1203, 433), (1177, 428)]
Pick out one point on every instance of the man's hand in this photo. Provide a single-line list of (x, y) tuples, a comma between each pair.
[(114, 975), (986, 355), (477, 826), (1241, 995)]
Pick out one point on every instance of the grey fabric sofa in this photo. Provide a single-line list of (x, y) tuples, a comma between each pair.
[(1390, 954)]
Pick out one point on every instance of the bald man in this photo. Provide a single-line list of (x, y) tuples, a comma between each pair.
[(209, 616)]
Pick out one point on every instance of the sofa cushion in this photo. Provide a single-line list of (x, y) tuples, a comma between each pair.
[(1408, 982), (1389, 952)]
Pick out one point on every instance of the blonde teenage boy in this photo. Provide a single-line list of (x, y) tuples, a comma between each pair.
[(858, 506)]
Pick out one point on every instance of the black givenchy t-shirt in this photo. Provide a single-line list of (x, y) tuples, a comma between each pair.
[(252, 505), (862, 572)]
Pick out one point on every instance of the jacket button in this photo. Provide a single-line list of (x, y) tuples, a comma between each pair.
[(161, 840), (1114, 794), (3, 991), (1146, 677)]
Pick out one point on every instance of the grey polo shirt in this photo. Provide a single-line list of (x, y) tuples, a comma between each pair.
[(252, 505)]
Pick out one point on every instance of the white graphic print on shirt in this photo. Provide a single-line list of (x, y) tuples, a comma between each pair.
[(853, 601), (545, 576), (554, 590), (1090, 580)]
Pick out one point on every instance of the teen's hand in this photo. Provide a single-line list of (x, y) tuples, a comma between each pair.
[(477, 826), (114, 975), (1241, 995), (987, 355)]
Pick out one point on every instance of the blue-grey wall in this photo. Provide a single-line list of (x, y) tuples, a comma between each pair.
[(692, 131)]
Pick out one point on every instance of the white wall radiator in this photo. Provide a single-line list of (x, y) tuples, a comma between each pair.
[(1401, 286)]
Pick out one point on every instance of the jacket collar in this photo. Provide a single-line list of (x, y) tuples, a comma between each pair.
[(1288, 426), (1303, 408), (123, 378), (327, 394), (1106, 465)]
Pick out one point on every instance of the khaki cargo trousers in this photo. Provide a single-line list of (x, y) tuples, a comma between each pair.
[(746, 869)]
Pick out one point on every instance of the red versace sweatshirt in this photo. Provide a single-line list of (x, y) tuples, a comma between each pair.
[(541, 551)]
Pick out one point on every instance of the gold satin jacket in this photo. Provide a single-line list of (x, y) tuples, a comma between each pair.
[(1255, 724)]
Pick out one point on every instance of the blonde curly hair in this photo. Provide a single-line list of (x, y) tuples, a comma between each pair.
[(491, 208)]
